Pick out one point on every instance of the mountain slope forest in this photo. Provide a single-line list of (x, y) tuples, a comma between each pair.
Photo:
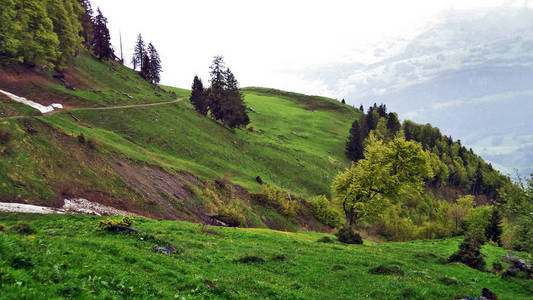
[(255, 158)]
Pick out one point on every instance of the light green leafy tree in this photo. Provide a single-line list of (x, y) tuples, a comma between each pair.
[(388, 172)]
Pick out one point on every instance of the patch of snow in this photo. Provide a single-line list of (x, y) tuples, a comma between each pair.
[(43, 109), (26, 208), (77, 206)]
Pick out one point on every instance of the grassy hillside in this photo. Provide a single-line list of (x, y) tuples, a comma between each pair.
[(161, 160), (77, 260)]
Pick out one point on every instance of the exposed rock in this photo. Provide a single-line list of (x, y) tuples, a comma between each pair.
[(164, 250)]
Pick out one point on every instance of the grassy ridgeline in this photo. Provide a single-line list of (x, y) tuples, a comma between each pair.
[(80, 261)]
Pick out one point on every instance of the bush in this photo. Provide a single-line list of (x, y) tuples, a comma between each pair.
[(22, 228), (387, 269), (125, 221), (348, 235), (323, 212), (479, 220), (469, 252), (325, 239), (231, 216), (279, 200), (432, 230), (3, 228), (396, 228)]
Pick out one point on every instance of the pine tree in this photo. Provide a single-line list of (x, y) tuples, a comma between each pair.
[(86, 20), (216, 90), (393, 124), (138, 53), (343, 101), (234, 109), (145, 66), (354, 145), (361, 108), (154, 64), (102, 39), (198, 96), (372, 118), (477, 186)]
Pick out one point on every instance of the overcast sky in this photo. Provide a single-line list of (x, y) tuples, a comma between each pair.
[(270, 43)]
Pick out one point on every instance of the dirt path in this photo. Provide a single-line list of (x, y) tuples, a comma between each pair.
[(99, 108)]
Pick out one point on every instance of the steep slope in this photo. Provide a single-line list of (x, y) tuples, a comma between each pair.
[(161, 160), (66, 257)]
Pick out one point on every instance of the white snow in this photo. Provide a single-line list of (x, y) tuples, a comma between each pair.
[(43, 109), (79, 206)]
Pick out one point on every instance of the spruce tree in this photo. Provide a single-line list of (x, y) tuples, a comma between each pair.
[(86, 20), (393, 124), (234, 109), (138, 53), (372, 118), (494, 230), (216, 90), (102, 39), (343, 101), (354, 145), (361, 108), (154, 64), (198, 96), (145, 66)]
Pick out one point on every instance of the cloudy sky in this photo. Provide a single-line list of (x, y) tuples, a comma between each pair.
[(275, 43)]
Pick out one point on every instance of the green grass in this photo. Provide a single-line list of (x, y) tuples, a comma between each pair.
[(10, 108), (290, 146), (82, 262)]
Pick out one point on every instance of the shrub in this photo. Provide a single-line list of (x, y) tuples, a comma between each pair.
[(231, 216), (497, 267), (22, 228), (469, 252), (323, 212), (279, 200), (432, 230), (3, 228), (396, 228), (387, 269), (125, 221), (348, 235)]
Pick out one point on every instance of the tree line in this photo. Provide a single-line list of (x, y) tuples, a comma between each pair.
[(453, 164), (222, 100), (51, 33)]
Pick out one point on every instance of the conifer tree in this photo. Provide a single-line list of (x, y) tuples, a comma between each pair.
[(343, 101), (361, 108), (354, 145), (102, 39), (234, 109), (154, 64), (138, 53), (145, 66), (198, 96), (393, 124), (216, 90), (86, 20)]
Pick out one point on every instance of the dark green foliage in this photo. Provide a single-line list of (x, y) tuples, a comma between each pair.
[(348, 235), (138, 53), (224, 97), (343, 102), (497, 267), (393, 124), (81, 138), (354, 145), (251, 259), (372, 118), (154, 65), (86, 20), (198, 96), (22, 228), (102, 39), (494, 230), (21, 262), (469, 252), (387, 269)]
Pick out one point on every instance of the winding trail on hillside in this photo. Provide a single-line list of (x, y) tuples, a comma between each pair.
[(98, 108)]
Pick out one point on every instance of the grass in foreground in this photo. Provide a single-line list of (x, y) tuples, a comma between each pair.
[(82, 262)]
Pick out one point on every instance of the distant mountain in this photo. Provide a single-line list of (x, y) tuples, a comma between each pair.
[(470, 74)]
